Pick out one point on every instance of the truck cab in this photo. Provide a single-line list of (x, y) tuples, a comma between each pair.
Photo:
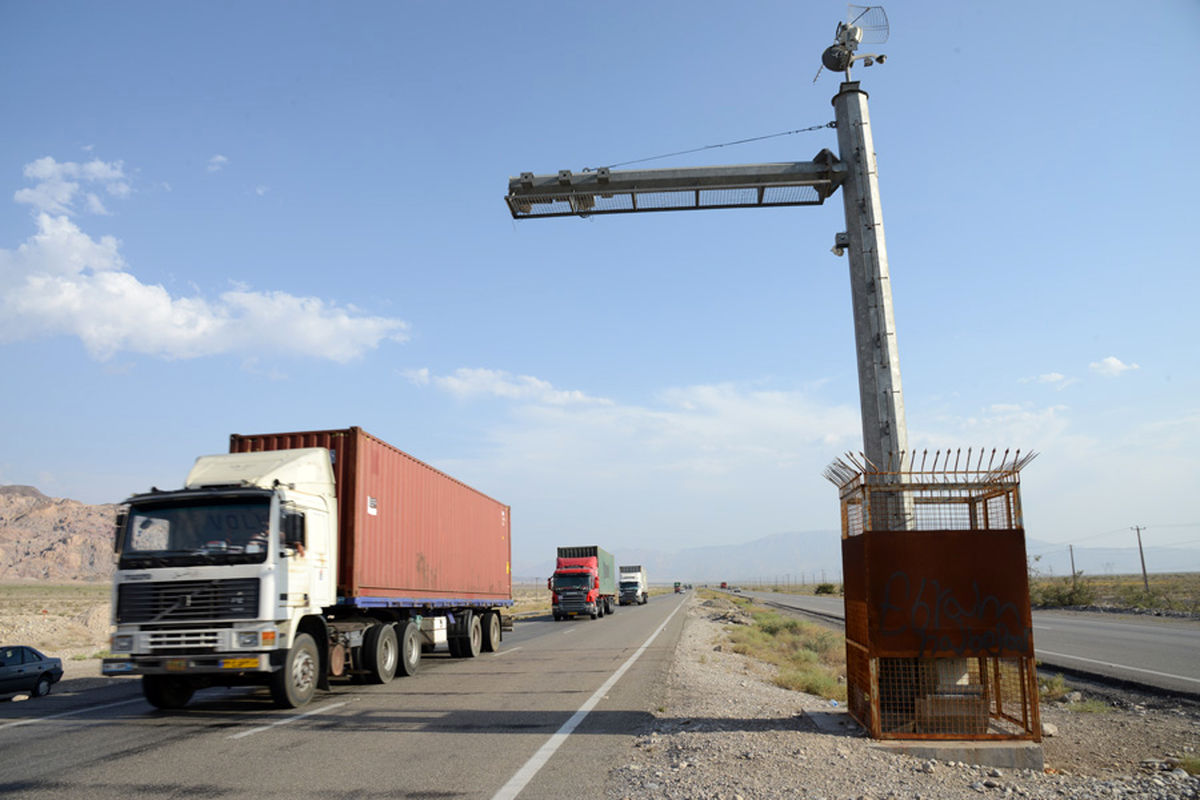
[(214, 580)]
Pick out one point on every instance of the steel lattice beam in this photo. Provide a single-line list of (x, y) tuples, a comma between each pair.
[(602, 191)]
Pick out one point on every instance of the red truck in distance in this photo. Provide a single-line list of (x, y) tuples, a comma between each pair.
[(584, 582)]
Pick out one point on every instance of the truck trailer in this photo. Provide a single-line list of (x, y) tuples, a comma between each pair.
[(298, 559), (584, 582), (634, 589)]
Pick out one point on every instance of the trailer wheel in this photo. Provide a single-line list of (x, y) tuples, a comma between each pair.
[(410, 649), (473, 642), (295, 684), (491, 632), (166, 692), (380, 653), (455, 645)]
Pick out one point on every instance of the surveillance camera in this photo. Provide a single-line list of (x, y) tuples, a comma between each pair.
[(841, 241)]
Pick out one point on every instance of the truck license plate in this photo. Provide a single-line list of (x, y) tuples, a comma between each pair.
[(239, 663), (176, 664)]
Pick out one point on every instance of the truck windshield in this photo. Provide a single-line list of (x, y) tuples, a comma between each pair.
[(573, 581), (629, 584), (231, 531)]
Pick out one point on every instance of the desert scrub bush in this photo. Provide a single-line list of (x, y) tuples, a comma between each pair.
[(809, 658), (1053, 687), (826, 588), (1054, 592)]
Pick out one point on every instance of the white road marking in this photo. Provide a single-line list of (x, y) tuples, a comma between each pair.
[(525, 774), (69, 713), (286, 720), (568, 630), (506, 652), (1119, 666)]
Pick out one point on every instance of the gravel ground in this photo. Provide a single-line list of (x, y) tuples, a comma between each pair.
[(727, 733)]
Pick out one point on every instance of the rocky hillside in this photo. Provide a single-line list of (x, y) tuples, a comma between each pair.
[(53, 539)]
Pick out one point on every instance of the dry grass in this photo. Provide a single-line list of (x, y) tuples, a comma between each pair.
[(530, 599), (63, 599), (809, 657), (1179, 591)]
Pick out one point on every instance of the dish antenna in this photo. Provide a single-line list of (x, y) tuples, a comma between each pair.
[(863, 25)]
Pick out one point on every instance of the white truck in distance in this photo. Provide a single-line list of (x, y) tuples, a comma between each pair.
[(634, 589)]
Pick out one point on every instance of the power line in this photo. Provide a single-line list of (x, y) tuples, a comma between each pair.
[(715, 146)]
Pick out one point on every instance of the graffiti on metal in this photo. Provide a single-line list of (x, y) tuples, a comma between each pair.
[(945, 622)]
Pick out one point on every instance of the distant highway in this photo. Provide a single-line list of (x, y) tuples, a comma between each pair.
[(1156, 652)]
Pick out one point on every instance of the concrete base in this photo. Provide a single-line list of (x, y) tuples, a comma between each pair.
[(1020, 754), (1008, 755)]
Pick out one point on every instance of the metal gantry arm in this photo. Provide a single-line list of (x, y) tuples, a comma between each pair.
[(797, 183), (603, 191)]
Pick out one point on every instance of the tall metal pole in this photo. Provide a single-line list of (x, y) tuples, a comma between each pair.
[(885, 434)]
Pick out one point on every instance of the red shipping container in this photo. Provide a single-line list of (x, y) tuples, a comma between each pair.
[(406, 530)]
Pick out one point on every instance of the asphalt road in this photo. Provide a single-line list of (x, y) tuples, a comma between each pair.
[(545, 717), (1154, 652)]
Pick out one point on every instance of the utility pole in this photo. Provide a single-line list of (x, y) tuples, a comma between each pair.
[(1142, 554), (1071, 547)]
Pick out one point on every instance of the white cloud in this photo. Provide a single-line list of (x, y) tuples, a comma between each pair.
[(94, 205), (1055, 379), (1112, 367), (466, 382), (261, 190), (61, 281), (58, 184), (217, 163), (708, 429)]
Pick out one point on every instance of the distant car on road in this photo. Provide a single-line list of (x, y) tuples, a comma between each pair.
[(23, 669)]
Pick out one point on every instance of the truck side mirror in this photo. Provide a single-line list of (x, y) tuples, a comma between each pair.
[(596, 582), (294, 531), (550, 584), (119, 527)]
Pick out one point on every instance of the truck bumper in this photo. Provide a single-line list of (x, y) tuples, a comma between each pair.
[(205, 664), (574, 609)]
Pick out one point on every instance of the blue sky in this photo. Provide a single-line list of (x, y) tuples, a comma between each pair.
[(230, 217)]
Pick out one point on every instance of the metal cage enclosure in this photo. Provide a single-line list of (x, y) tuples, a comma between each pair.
[(939, 638)]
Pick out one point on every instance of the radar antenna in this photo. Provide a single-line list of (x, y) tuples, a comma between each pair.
[(863, 25)]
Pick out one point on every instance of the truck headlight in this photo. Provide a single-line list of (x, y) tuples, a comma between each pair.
[(247, 639), (122, 643)]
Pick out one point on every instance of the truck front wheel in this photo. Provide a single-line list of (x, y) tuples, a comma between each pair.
[(167, 692), (295, 684), (380, 653)]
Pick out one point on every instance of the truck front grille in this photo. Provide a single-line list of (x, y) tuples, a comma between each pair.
[(187, 600), (185, 640)]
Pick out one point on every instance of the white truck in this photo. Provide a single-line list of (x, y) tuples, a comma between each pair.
[(300, 559), (634, 589)]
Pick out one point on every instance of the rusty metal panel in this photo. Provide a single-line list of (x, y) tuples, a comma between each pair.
[(948, 593), (406, 530)]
